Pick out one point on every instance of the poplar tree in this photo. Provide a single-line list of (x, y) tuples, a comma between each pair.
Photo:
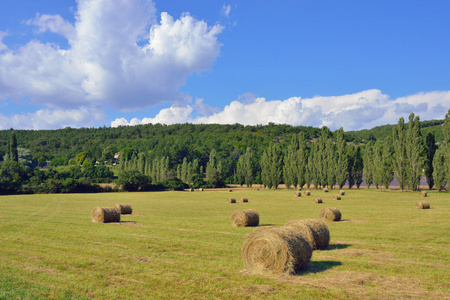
[(331, 163), (302, 161), (271, 166), (248, 165), (377, 163), (350, 149), (439, 170), (414, 152), (358, 167), (290, 169), (13, 153), (430, 150), (321, 158), (240, 171), (446, 148), (387, 164), (368, 162), (401, 161), (341, 159)]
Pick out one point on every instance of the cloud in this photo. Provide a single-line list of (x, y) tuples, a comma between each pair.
[(226, 9), (118, 55), (51, 118), (363, 110)]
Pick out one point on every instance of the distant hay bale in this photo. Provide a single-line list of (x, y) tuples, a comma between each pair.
[(231, 200), (298, 194), (276, 250), (245, 218), (330, 214), (244, 200), (319, 231), (317, 200), (308, 193), (341, 193), (191, 189), (124, 209), (325, 190), (230, 190), (201, 189), (423, 194), (337, 197), (422, 205), (105, 215)]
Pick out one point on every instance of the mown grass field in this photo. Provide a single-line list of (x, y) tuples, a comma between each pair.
[(181, 245)]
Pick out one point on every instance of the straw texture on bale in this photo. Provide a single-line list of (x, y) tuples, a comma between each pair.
[(124, 209), (245, 218), (105, 215), (337, 197), (325, 190), (330, 214), (308, 193), (317, 200), (423, 194), (231, 200), (298, 194), (319, 232), (244, 200), (276, 250), (422, 205), (341, 193)]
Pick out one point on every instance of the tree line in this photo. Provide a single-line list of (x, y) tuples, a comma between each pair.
[(294, 156)]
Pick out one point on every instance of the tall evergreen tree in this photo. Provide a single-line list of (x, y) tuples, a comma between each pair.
[(401, 160), (430, 150), (341, 159), (414, 152)]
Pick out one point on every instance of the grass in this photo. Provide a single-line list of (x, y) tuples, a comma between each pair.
[(182, 245)]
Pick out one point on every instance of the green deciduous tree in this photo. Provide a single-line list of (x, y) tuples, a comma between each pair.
[(414, 152), (440, 169), (401, 159), (368, 164), (358, 167), (430, 150), (341, 159)]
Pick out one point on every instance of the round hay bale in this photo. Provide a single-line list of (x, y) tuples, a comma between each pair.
[(298, 194), (325, 190), (330, 214), (317, 200), (304, 230), (422, 205), (276, 250), (319, 231), (423, 194), (105, 215), (124, 209), (244, 200), (201, 189), (308, 193), (337, 197), (230, 190), (231, 200), (191, 189), (341, 193), (245, 218)]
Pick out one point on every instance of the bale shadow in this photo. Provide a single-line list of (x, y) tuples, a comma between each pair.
[(319, 266), (336, 247), (264, 225)]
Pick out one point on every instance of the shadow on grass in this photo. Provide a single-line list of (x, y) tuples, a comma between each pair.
[(336, 247), (319, 266), (264, 225)]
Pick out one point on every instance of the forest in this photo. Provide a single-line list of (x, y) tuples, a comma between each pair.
[(180, 156)]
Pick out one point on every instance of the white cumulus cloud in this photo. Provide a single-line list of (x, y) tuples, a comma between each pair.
[(362, 110), (119, 55)]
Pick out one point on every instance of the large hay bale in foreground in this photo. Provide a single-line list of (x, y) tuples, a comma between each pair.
[(276, 250), (422, 205), (317, 200), (231, 200), (423, 194), (330, 214), (308, 193), (341, 193), (105, 215), (319, 231), (245, 218), (124, 209), (337, 197), (244, 200)]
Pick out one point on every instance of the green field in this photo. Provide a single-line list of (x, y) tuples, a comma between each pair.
[(181, 245)]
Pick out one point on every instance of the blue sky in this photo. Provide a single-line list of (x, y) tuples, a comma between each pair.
[(355, 64)]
